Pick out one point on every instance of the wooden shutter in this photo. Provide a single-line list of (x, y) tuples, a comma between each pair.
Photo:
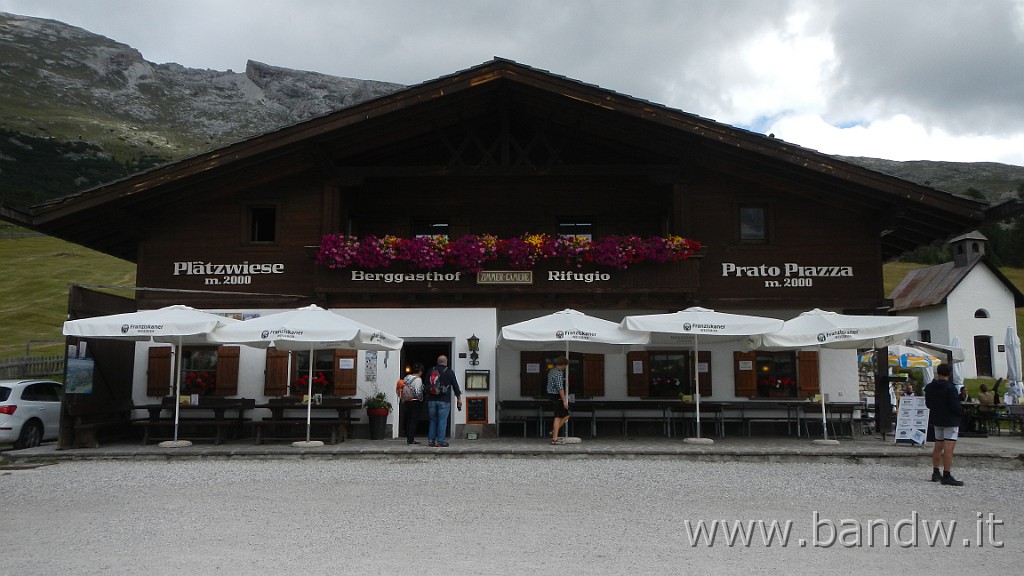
[(275, 375), (807, 373), (227, 371), (704, 378), (746, 380), (158, 375), (532, 384), (345, 380), (593, 375), (637, 384)]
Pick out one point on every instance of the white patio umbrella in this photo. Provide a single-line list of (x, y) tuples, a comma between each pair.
[(958, 371), (175, 325), (311, 328), (1013, 374), (571, 329), (694, 325), (823, 329)]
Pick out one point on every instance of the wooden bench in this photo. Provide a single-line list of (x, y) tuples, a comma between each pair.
[(192, 428), (89, 421), (295, 428)]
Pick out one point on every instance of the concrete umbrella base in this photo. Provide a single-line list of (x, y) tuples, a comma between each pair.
[(308, 444), (175, 444), (698, 441), (823, 442)]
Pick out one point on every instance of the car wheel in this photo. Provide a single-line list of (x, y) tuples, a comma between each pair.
[(31, 436)]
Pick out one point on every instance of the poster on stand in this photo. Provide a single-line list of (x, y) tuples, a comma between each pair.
[(912, 421)]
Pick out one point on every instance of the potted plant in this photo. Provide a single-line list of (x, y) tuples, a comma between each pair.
[(377, 409)]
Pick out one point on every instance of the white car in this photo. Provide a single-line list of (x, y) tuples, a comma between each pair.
[(29, 412)]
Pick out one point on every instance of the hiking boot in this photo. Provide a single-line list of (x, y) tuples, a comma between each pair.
[(948, 480), (936, 476), (445, 445), (431, 444)]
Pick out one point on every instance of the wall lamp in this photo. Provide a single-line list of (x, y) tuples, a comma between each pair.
[(474, 349)]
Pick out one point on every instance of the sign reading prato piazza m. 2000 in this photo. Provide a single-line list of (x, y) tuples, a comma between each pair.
[(788, 275)]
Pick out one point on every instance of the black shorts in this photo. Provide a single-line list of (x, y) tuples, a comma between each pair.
[(557, 407)]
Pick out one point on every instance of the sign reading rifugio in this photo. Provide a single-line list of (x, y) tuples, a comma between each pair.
[(234, 274)]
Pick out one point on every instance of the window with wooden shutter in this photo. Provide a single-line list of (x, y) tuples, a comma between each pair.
[(593, 375), (532, 374), (158, 374), (227, 371), (636, 380), (345, 378), (275, 376), (807, 373), (775, 374), (744, 375)]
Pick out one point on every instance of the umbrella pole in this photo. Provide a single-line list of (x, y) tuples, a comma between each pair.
[(288, 378), (309, 400), (696, 383), (177, 386), (821, 390)]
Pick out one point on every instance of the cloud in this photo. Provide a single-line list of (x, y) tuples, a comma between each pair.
[(947, 63), (943, 78)]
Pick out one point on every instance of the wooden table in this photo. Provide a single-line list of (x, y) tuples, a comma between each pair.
[(282, 426), (189, 415)]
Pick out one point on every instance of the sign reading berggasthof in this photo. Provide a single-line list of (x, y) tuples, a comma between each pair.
[(788, 275)]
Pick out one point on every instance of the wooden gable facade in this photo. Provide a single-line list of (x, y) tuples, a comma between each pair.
[(506, 149)]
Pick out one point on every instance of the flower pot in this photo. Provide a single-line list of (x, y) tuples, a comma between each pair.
[(378, 422)]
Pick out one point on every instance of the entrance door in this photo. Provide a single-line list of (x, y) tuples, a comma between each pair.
[(983, 355), (425, 353)]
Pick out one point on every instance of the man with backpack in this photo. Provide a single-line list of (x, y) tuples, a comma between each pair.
[(438, 387)]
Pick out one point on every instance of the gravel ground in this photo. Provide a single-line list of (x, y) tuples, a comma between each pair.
[(496, 516)]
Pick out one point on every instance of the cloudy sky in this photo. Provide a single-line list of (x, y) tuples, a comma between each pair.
[(904, 80)]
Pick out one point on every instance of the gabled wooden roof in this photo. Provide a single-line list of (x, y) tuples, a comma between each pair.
[(549, 125), (931, 286)]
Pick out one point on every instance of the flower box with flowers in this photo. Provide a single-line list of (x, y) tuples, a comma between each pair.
[(473, 253), (301, 385), (199, 382)]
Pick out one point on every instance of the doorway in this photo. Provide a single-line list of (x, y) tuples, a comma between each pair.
[(983, 355), (425, 353)]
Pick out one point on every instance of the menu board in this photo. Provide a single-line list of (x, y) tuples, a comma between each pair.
[(476, 410)]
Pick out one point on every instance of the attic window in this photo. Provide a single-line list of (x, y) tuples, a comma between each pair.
[(262, 224), (423, 228), (577, 228), (981, 313), (753, 223)]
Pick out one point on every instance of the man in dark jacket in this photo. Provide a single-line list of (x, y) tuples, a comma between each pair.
[(440, 405), (943, 401)]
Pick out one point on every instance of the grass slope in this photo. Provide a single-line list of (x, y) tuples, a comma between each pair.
[(35, 272)]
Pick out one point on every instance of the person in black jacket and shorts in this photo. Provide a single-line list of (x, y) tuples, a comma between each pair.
[(943, 402)]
